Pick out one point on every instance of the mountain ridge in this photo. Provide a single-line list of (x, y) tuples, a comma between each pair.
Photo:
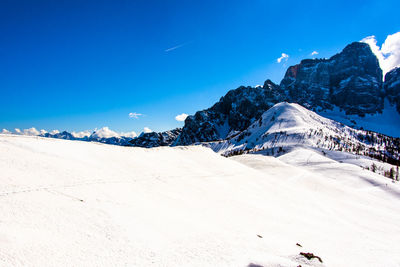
[(288, 125), (347, 87), (350, 81)]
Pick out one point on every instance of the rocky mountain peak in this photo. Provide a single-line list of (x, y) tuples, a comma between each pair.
[(351, 80), (233, 113), (359, 57), (270, 85)]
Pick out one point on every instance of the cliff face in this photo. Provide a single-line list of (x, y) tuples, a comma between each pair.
[(392, 87), (351, 80)]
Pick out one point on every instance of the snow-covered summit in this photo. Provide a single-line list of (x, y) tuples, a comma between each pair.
[(286, 125), (290, 117), (347, 86)]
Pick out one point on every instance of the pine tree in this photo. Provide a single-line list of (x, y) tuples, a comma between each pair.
[(373, 167), (391, 173)]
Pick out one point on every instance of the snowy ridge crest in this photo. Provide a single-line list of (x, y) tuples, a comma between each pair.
[(287, 125)]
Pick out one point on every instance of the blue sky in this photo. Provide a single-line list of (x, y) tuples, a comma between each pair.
[(78, 65)]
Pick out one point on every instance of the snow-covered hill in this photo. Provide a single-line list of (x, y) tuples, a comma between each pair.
[(73, 203), (289, 125)]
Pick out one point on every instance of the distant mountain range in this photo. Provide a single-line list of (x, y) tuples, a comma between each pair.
[(95, 136)]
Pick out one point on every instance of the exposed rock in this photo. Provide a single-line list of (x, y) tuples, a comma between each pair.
[(351, 80), (63, 135), (118, 140), (233, 113), (310, 256), (154, 139), (392, 87)]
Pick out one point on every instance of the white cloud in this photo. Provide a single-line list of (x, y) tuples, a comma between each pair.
[(388, 54), (31, 131), (147, 130), (181, 117), (283, 57), (55, 132), (5, 131), (104, 132), (129, 134), (135, 115), (43, 131), (81, 134), (314, 53)]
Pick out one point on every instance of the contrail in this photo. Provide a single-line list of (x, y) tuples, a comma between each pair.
[(176, 47)]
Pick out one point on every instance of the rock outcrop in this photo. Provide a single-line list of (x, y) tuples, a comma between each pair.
[(351, 80), (231, 114), (154, 139), (392, 87)]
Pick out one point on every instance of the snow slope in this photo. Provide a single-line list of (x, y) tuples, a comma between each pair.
[(387, 122), (288, 125), (285, 124), (73, 203)]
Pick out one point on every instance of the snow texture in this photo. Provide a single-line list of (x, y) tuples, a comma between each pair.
[(74, 203)]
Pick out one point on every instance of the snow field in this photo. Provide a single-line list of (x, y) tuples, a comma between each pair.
[(72, 203)]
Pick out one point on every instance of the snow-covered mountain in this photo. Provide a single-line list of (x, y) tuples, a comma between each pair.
[(107, 136), (348, 87), (321, 191), (104, 135), (233, 113), (289, 125)]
